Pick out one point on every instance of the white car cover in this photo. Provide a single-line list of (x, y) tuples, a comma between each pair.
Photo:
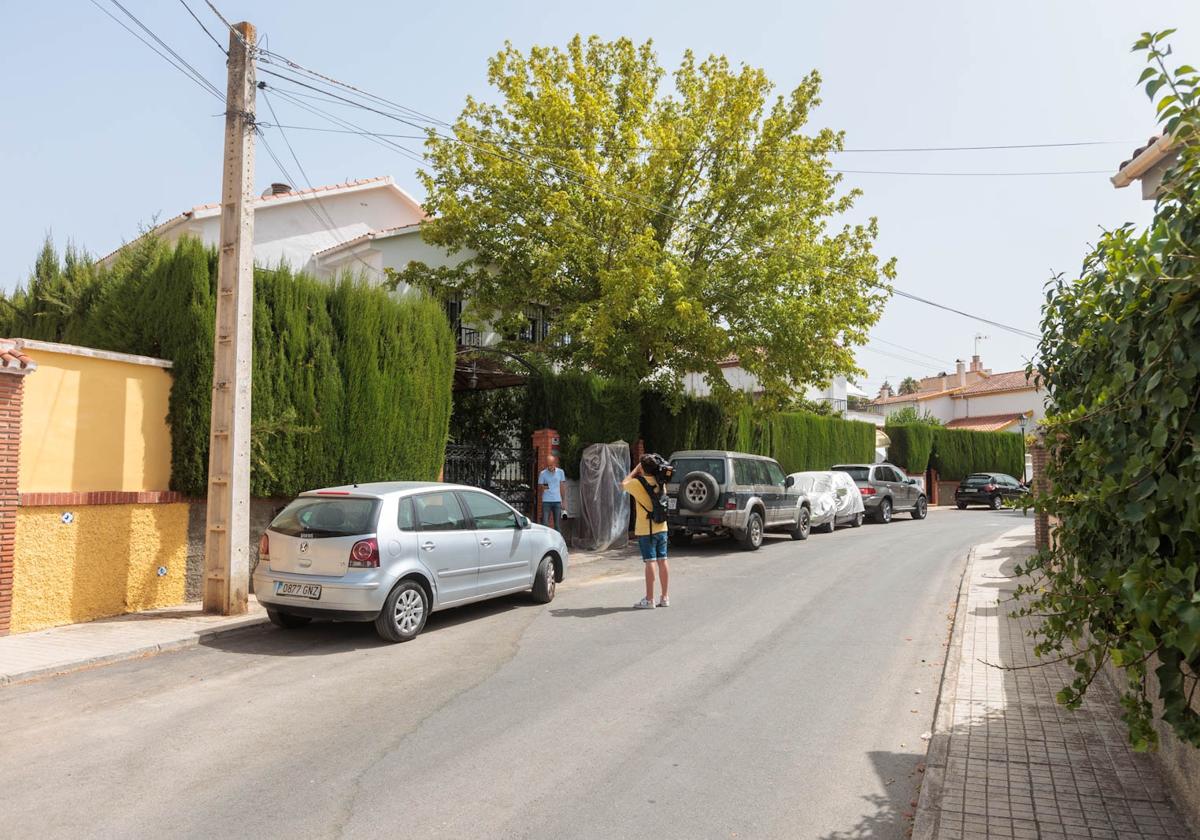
[(830, 494)]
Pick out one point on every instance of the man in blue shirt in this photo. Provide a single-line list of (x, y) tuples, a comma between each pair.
[(550, 480)]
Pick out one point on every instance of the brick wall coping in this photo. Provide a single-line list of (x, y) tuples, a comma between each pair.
[(102, 497), (91, 353)]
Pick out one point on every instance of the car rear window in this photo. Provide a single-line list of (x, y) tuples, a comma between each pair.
[(713, 466), (314, 517), (856, 473), (978, 480)]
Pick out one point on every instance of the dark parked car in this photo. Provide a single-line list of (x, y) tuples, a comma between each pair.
[(989, 489), (886, 490)]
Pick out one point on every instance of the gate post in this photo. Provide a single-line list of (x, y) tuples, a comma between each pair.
[(545, 444)]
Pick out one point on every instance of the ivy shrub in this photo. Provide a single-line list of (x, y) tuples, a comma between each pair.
[(1120, 356), (911, 446), (957, 453)]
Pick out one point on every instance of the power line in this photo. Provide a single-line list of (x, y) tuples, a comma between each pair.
[(202, 26), (909, 350), (974, 174), (1014, 330), (378, 139), (227, 24), (183, 67), (993, 148)]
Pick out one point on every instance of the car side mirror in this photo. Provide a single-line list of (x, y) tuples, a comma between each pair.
[(789, 481), (523, 522), (910, 481)]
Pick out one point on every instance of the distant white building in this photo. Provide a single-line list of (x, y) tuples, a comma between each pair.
[(740, 379)]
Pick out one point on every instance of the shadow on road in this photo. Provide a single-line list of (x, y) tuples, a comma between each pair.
[(891, 812), (588, 612), (326, 638)]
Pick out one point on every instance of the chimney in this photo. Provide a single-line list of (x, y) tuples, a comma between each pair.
[(885, 391), (962, 372), (277, 189), (976, 365)]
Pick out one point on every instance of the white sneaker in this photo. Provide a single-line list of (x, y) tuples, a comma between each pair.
[(664, 601), (644, 604)]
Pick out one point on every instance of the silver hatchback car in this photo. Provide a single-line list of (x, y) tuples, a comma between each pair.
[(394, 552)]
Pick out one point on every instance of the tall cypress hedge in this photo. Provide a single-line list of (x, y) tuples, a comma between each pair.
[(801, 441), (583, 409), (349, 384), (958, 453), (911, 446), (695, 424)]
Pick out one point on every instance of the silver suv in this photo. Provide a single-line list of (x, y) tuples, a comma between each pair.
[(886, 490), (733, 494), (394, 552)]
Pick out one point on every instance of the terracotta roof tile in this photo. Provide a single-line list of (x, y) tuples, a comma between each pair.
[(13, 357), (1013, 380), (986, 422), (372, 234), (920, 396)]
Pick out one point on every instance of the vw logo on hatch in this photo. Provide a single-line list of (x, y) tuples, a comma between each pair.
[(303, 546)]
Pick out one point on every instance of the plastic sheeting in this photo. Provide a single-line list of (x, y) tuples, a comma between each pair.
[(604, 505), (850, 502)]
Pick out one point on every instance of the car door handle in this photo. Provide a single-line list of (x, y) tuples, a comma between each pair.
[(485, 542), (427, 546)]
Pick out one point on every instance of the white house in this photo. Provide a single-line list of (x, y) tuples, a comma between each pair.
[(295, 226), (742, 380), (975, 399)]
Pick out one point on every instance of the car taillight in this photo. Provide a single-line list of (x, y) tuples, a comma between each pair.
[(264, 548), (867, 491), (731, 504), (988, 488), (365, 554)]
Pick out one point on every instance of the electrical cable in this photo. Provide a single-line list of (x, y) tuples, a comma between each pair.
[(909, 350), (202, 26), (1014, 330), (194, 75)]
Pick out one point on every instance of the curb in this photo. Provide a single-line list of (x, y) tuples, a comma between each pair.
[(929, 803), (134, 653)]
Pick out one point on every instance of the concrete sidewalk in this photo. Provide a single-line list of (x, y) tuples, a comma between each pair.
[(1006, 760), (74, 646), (71, 647)]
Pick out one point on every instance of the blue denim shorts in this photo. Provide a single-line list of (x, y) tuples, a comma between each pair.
[(654, 547)]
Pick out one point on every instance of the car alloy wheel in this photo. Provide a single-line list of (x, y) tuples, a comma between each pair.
[(997, 502), (885, 511), (696, 492), (921, 509), (410, 609)]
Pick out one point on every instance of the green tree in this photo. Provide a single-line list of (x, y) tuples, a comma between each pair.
[(1120, 356), (665, 225), (908, 385), (910, 415)]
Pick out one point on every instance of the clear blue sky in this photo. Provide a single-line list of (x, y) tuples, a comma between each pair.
[(101, 135)]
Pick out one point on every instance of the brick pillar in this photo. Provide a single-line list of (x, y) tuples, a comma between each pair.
[(931, 490), (1041, 520), (12, 387), (545, 444), (637, 451)]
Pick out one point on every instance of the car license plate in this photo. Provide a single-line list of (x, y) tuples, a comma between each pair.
[(671, 502), (300, 590)]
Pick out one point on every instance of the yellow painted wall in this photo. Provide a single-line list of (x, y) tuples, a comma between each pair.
[(94, 424), (103, 563)]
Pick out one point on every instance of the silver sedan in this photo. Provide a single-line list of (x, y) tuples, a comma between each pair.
[(394, 552)]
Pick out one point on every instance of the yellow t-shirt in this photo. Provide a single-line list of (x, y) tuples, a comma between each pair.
[(643, 527)]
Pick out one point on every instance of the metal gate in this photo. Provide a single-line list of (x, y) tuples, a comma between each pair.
[(509, 473)]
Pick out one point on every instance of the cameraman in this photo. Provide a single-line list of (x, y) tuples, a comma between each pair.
[(646, 485)]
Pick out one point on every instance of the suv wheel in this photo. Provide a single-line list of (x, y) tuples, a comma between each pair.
[(404, 613), (857, 521), (752, 537), (961, 505), (803, 523), (698, 492), (883, 513), (921, 508)]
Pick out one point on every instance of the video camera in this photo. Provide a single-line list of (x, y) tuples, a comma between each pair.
[(656, 465)]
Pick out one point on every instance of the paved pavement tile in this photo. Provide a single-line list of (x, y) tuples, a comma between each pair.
[(1017, 764)]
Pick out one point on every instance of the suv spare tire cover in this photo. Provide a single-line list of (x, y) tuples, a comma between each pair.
[(698, 491)]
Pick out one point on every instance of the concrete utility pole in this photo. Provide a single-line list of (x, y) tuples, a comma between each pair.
[(227, 541)]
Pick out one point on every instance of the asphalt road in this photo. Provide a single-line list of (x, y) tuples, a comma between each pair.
[(783, 695)]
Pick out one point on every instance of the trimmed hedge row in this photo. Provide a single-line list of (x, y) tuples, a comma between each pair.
[(800, 441), (911, 446), (349, 383), (958, 453), (583, 409)]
